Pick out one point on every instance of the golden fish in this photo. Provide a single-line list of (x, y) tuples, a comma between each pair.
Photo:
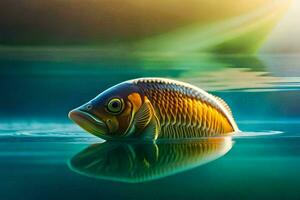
[(155, 108), (140, 162)]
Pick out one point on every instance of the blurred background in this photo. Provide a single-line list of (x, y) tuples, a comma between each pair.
[(235, 26), (55, 55)]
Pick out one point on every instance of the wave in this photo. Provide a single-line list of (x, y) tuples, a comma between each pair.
[(256, 134), (59, 131)]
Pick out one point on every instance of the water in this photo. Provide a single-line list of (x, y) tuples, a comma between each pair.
[(45, 156)]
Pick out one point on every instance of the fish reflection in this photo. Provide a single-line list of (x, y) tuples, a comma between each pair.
[(139, 162)]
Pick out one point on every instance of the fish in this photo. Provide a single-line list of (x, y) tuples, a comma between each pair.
[(155, 109), (141, 162)]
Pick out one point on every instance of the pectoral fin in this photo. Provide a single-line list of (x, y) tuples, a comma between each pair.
[(143, 116), (151, 132), (146, 122), (148, 153)]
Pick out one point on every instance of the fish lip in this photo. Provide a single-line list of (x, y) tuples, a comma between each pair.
[(89, 122)]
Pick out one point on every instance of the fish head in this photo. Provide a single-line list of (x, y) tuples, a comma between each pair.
[(110, 114)]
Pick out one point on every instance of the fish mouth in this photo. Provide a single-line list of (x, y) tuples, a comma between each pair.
[(90, 123)]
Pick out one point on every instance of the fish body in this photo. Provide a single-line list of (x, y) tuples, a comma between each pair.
[(155, 108)]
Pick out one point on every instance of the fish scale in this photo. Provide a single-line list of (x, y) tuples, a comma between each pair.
[(185, 111)]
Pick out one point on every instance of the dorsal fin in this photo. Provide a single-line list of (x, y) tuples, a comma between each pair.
[(224, 104)]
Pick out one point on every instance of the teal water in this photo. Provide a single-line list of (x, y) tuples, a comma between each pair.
[(45, 156)]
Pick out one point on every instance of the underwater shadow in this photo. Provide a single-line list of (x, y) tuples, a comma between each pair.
[(140, 162)]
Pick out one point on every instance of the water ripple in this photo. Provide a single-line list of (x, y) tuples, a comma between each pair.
[(61, 131)]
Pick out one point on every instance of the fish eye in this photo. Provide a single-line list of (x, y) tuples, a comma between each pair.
[(115, 105)]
